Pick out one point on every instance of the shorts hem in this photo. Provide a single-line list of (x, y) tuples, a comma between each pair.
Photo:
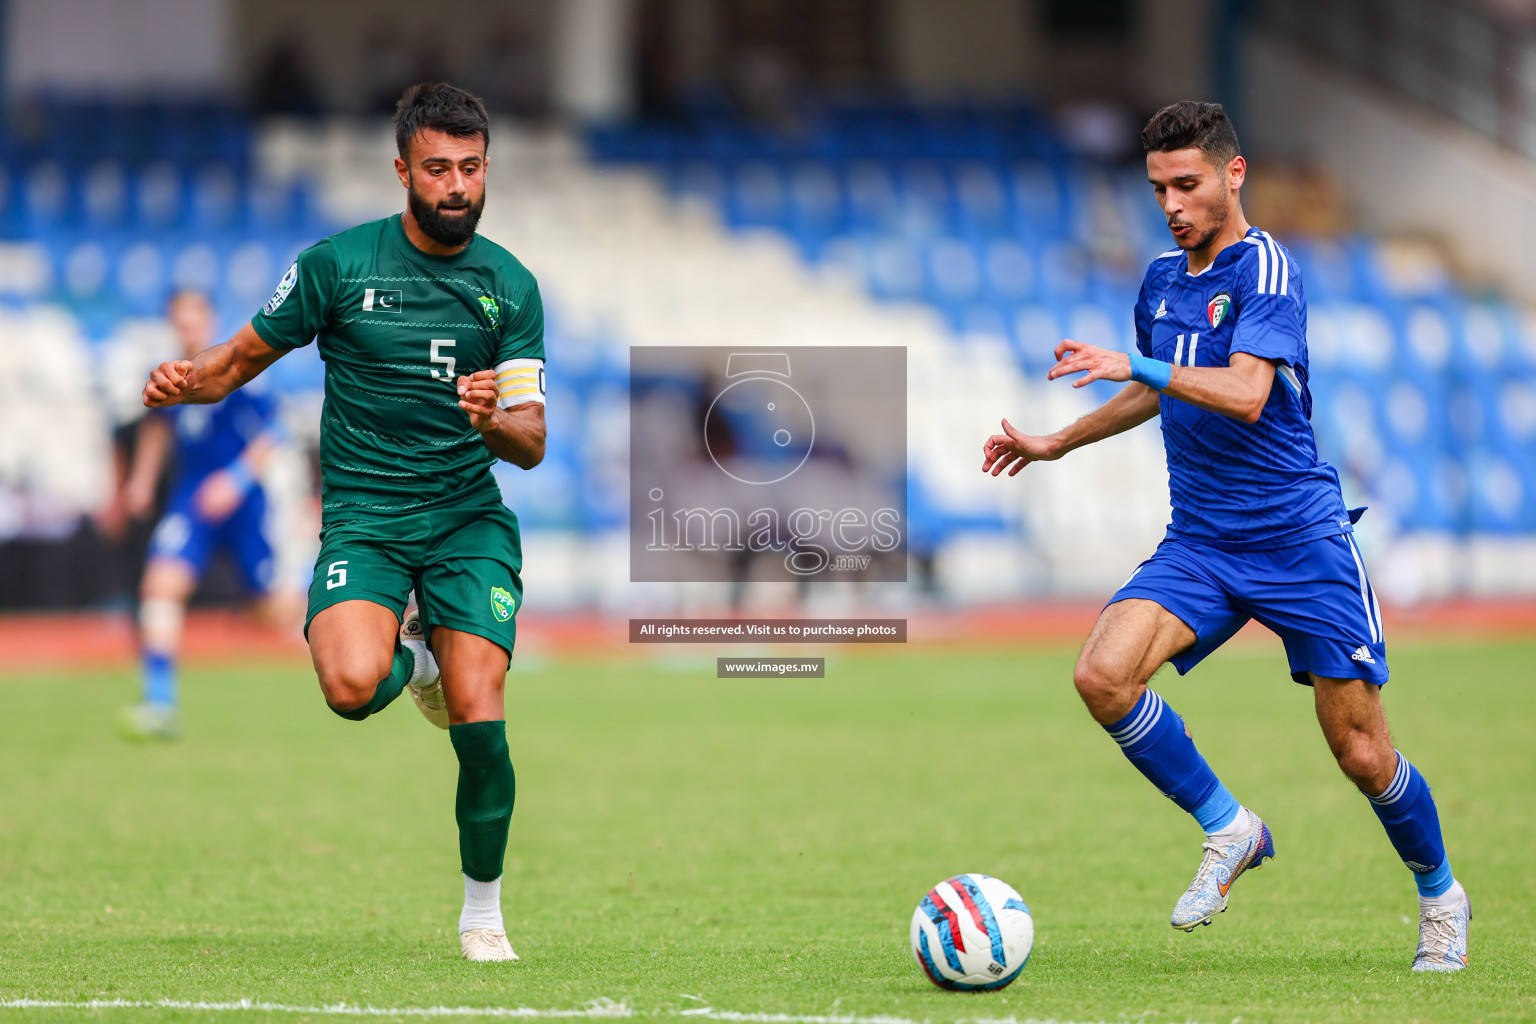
[(372, 597), (1376, 679), (1182, 661)]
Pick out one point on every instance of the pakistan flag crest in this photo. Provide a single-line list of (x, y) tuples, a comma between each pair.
[(503, 604), (491, 310)]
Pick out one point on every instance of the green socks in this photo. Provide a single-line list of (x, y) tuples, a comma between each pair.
[(487, 789), (389, 688)]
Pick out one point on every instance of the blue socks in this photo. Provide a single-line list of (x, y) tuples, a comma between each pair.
[(159, 679), (1218, 810), (1153, 737), (1407, 812)]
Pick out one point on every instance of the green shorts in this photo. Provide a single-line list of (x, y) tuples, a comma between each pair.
[(464, 563)]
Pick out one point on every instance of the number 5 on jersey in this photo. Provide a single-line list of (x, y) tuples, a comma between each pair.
[(336, 575), (445, 358)]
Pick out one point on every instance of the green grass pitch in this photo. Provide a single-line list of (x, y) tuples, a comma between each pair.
[(751, 846)]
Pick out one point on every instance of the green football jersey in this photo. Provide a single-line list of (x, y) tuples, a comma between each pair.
[(396, 328)]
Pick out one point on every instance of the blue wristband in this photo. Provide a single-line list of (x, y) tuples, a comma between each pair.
[(1154, 373), (239, 475)]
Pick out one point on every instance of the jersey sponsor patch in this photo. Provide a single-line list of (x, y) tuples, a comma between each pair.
[(283, 288), (382, 300), (1216, 309)]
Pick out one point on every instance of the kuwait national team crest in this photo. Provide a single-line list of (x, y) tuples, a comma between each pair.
[(1216, 309), (492, 311), (503, 604)]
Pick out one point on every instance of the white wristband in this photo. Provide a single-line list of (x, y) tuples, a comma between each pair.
[(519, 381)]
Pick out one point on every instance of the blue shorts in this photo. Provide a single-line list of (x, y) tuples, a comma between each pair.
[(1315, 596), (183, 535)]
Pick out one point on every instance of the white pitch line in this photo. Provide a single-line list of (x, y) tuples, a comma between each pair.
[(605, 1009), (596, 1008)]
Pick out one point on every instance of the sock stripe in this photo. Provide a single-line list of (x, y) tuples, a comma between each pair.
[(1153, 738), (1137, 715), (1146, 718), (1151, 712), (1399, 783)]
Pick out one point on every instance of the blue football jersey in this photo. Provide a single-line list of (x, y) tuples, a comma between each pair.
[(1235, 485), (210, 437)]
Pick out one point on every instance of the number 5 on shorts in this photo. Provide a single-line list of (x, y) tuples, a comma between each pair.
[(336, 575)]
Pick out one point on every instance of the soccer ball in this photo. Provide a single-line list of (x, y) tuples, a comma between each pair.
[(972, 932)]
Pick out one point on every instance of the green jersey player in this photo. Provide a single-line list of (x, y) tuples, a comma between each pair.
[(433, 340)]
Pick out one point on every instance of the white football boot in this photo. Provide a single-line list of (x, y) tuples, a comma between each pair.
[(1219, 868), (485, 944), (150, 722), (1443, 935), (426, 683)]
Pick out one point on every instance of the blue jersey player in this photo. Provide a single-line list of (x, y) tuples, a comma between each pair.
[(1259, 528), (216, 502)]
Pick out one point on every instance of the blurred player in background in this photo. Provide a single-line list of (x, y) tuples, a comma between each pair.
[(433, 339), (1259, 528), (217, 502)]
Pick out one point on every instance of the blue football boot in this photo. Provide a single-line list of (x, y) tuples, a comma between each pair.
[(1219, 868)]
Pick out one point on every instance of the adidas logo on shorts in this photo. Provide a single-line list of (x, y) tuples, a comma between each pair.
[(1363, 653)]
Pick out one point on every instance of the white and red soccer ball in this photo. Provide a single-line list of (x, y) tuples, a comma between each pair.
[(972, 932)]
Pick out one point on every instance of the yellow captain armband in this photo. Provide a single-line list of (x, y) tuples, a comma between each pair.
[(519, 381)]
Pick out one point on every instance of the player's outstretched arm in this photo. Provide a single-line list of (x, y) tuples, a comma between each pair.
[(515, 435), (1239, 390), (1132, 406), (212, 374)]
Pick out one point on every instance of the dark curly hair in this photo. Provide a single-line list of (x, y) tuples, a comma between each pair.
[(442, 108), (1186, 124)]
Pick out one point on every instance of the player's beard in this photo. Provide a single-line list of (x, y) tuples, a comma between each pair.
[(1218, 221), (452, 229)]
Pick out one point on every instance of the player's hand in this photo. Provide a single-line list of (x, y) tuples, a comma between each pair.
[(168, 382), (217, 497), (477, 397), (1014, 449), (1096, 363)]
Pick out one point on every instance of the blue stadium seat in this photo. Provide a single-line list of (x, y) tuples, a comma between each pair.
[(1010, 271), (981, 200), (142, 277), (103, 196), (48, 200), (216, 197), (1037, 329), (895, 268), (954, 272), (158, 196), (757, 196)]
